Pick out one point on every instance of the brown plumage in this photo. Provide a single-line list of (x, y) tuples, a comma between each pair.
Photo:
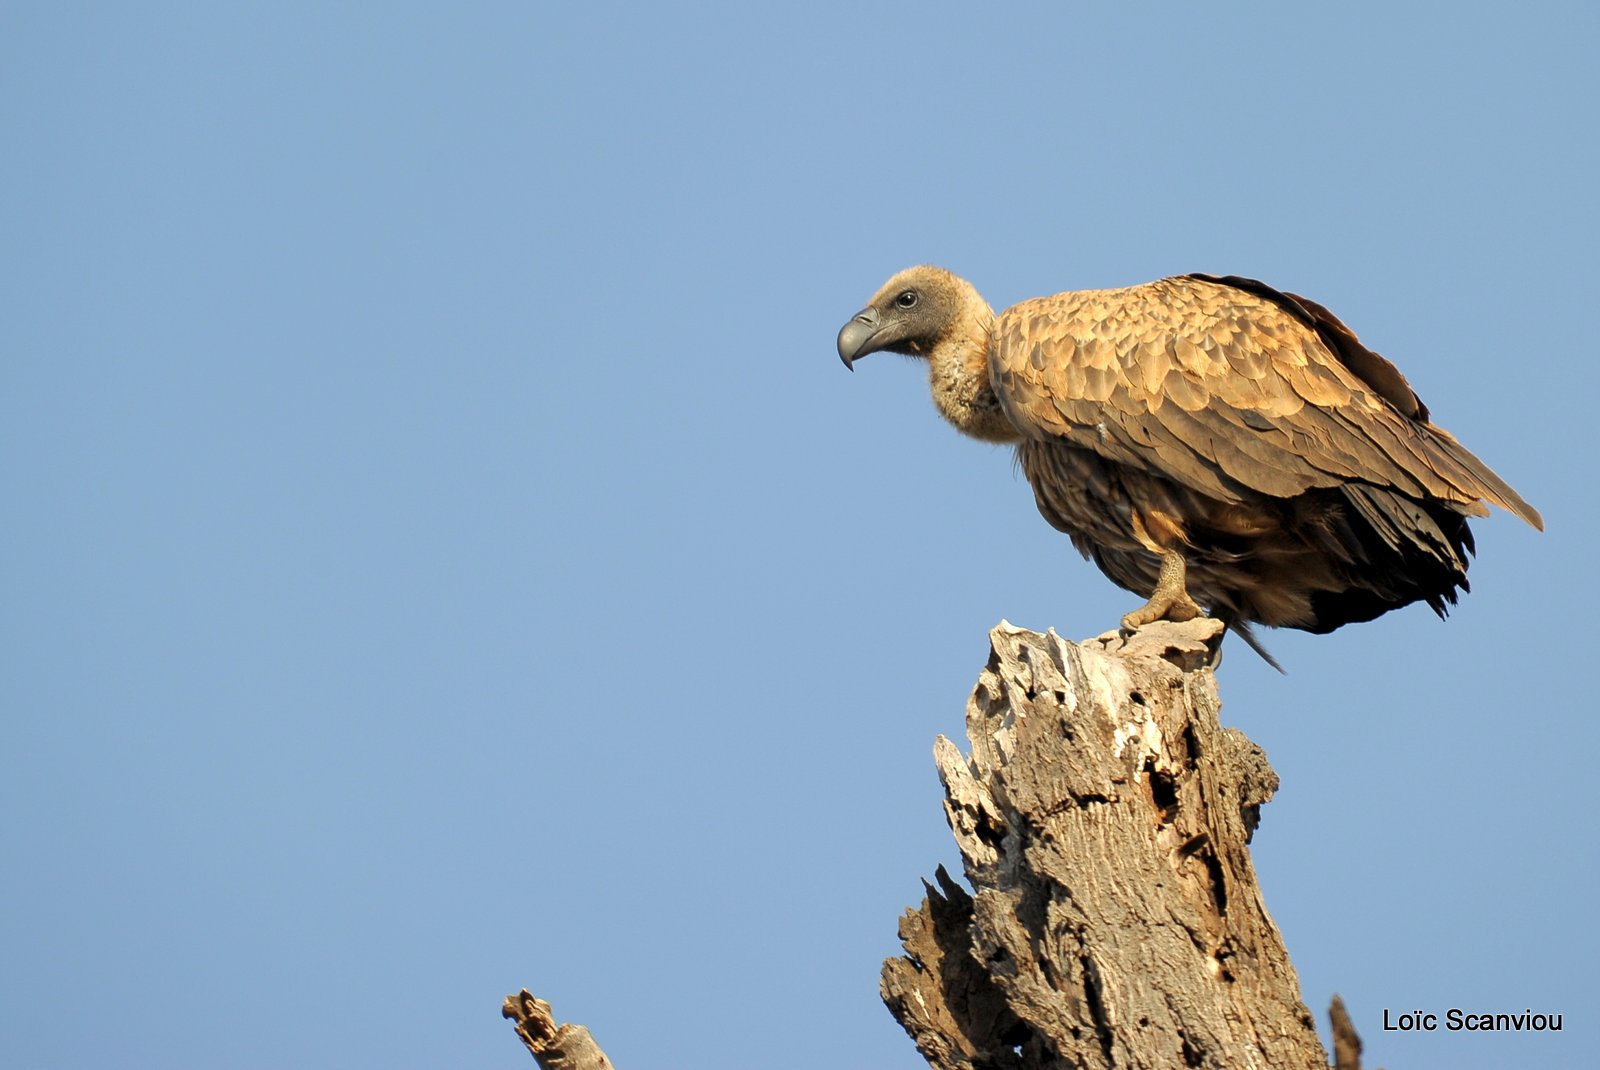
[(1210, 443)]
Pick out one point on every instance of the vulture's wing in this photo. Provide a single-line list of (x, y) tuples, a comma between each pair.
[(1229, 387)]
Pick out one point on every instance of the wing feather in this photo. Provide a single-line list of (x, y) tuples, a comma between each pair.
[(1229, 387)]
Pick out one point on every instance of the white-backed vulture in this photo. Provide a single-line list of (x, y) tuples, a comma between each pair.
[(1210, 443)]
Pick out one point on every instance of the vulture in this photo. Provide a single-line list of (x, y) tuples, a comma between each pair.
[(1212, 444)]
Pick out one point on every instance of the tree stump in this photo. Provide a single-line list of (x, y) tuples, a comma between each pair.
[(1102, 818)]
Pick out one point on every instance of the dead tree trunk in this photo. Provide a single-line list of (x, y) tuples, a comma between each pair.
[(1116, 921)]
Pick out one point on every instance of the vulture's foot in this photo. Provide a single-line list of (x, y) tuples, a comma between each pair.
[(1170, 600)]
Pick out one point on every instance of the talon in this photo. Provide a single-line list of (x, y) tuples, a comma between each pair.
[(1169, 601)]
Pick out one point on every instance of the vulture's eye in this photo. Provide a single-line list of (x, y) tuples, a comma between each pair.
[(907, 299)]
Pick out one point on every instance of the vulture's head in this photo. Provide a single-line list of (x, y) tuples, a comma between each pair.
[(914, 313)]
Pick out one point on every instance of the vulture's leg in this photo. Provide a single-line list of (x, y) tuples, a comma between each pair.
[(1169, 601)]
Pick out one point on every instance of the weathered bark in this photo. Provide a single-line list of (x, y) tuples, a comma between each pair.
[(555, 1047), (1116, 921), (1346, 1044)]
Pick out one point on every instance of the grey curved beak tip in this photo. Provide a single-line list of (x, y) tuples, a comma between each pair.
[(847, 350), (855, 336)]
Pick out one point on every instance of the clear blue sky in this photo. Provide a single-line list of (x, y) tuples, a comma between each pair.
[(443, 552)]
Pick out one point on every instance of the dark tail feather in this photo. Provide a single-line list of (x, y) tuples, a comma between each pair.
[(1253, 641)]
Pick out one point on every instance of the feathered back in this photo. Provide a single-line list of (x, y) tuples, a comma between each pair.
[(1230, 387)]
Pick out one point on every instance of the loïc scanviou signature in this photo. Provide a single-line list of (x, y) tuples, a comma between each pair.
[(1457, 1020)]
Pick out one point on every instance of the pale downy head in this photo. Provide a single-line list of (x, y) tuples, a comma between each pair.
[(912, 314), (929, 313)]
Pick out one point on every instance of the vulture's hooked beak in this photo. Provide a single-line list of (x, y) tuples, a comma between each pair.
[(855, 337)]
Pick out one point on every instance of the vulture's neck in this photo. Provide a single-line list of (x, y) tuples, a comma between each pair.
[(958, 372)]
